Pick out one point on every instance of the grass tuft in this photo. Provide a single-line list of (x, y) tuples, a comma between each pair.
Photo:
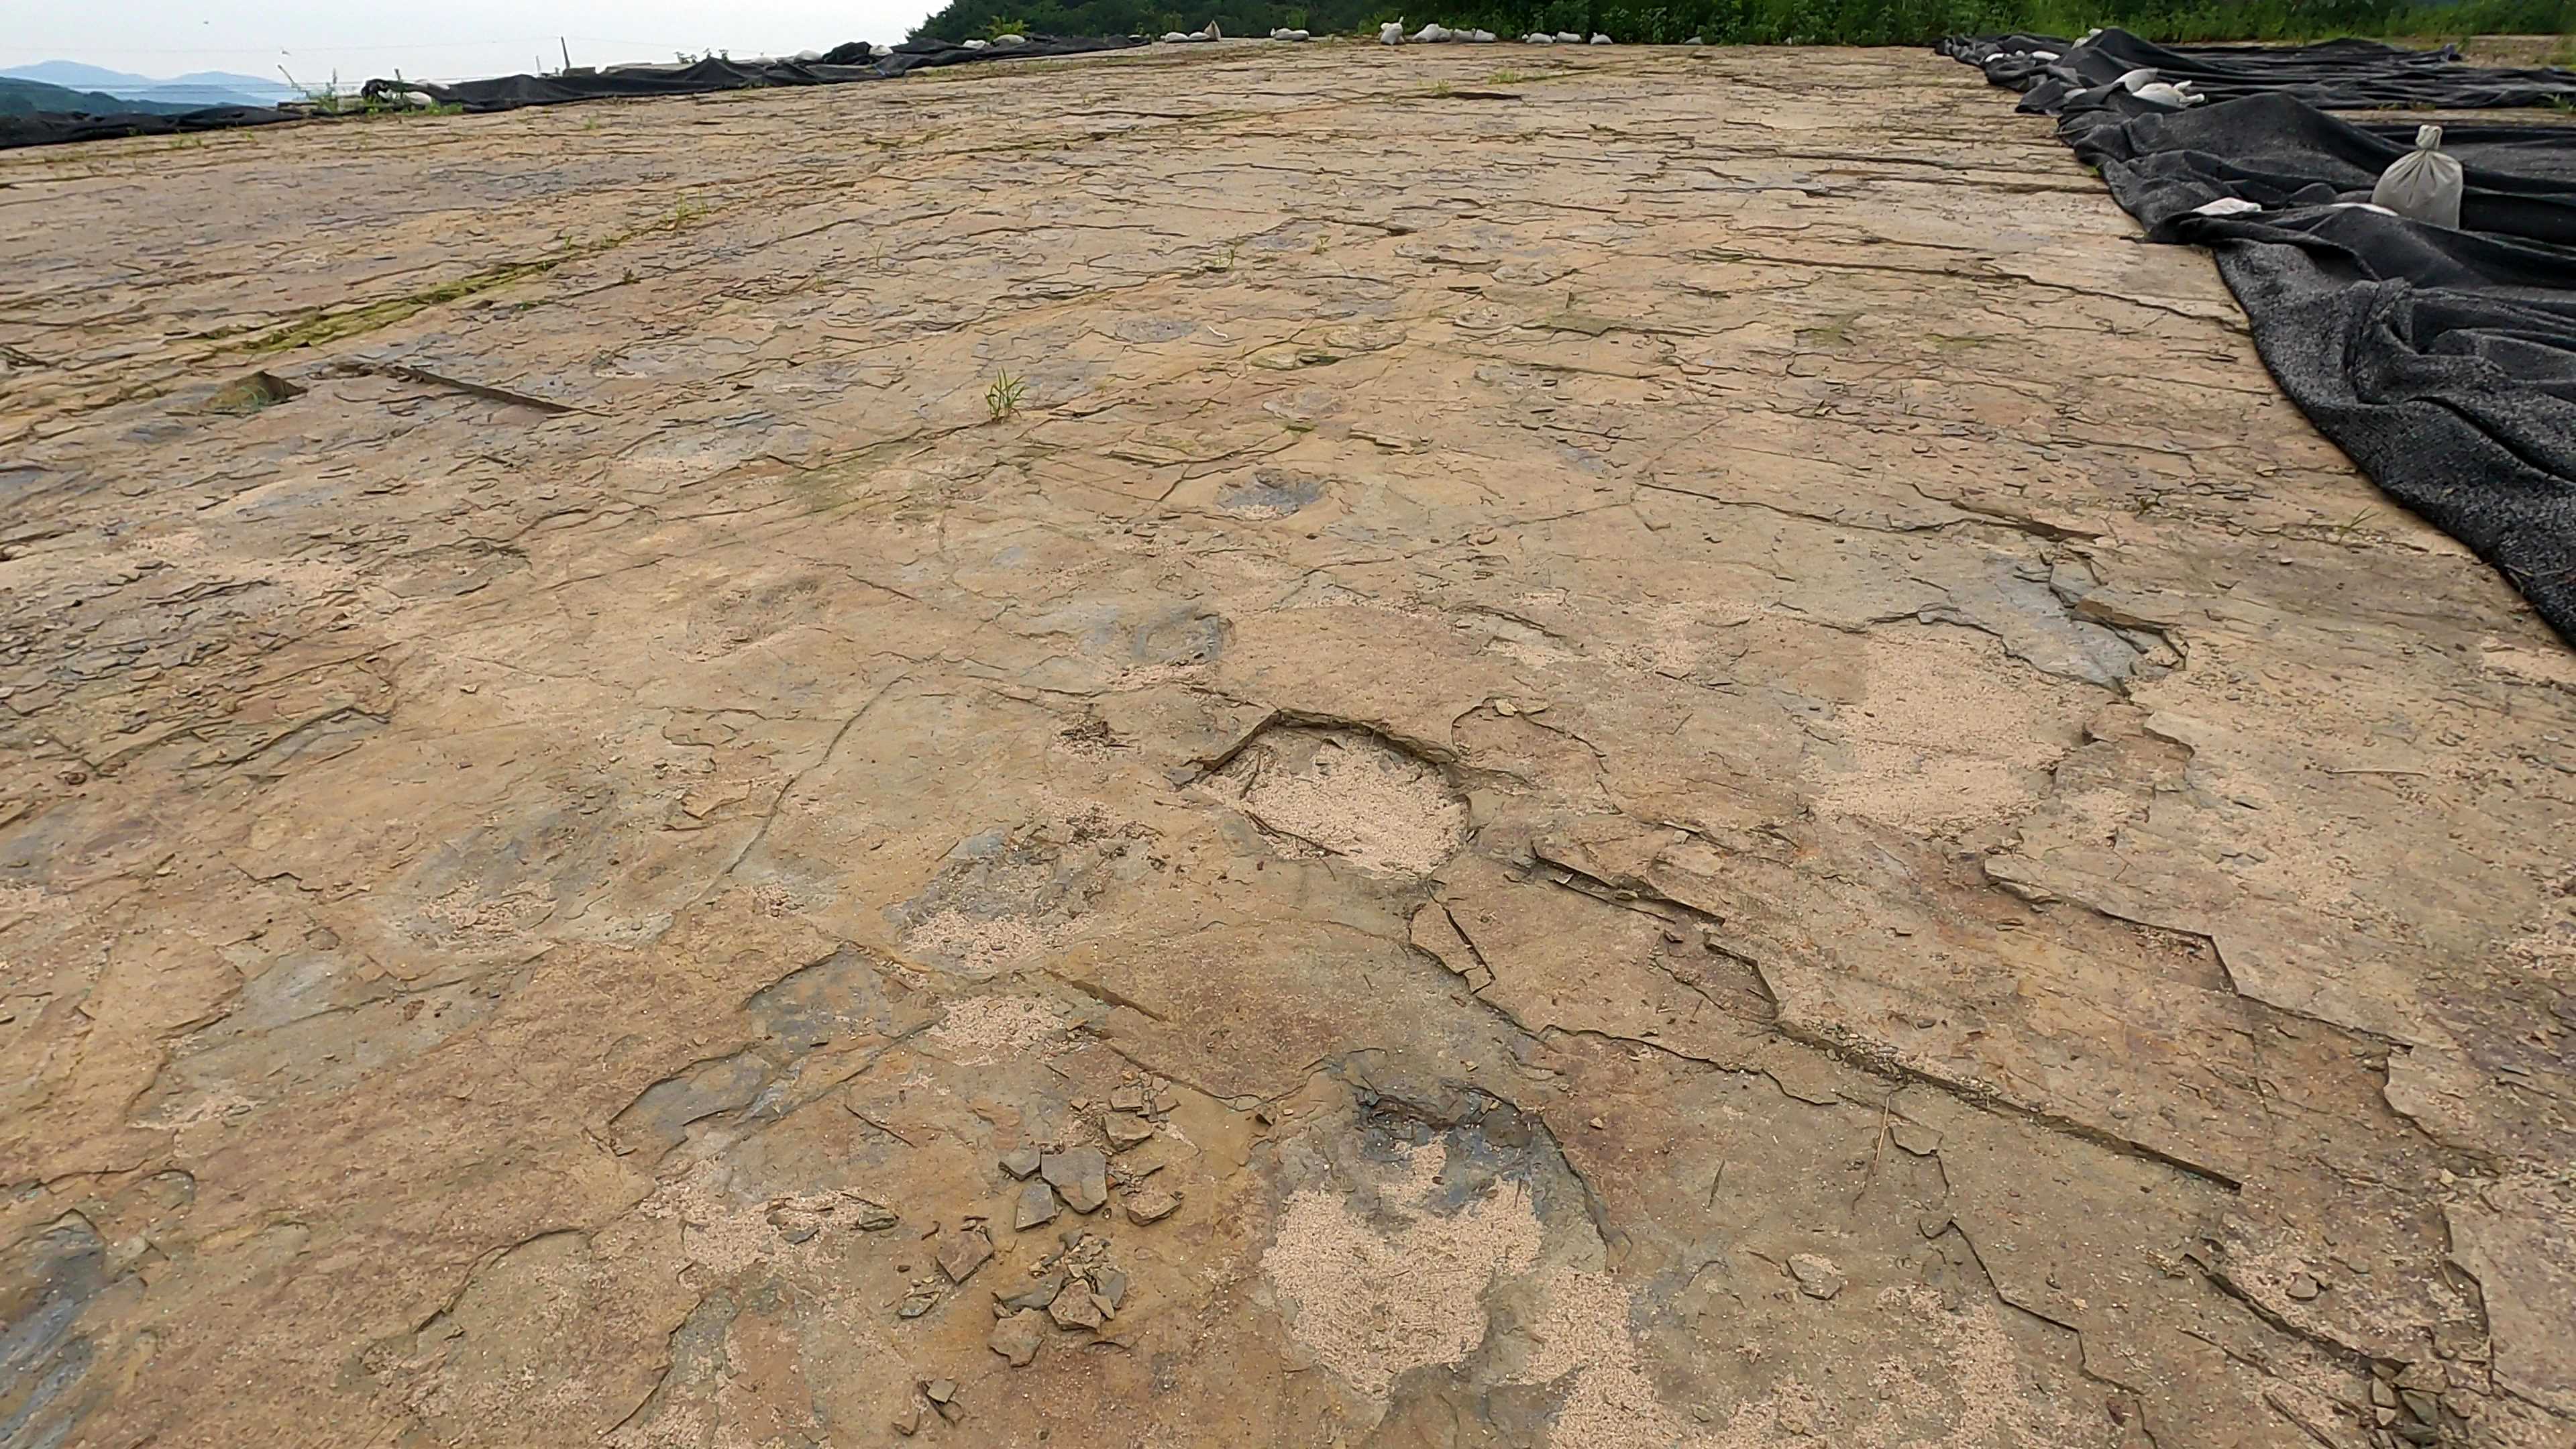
[(1002, 398)]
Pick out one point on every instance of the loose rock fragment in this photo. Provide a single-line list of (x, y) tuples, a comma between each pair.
[(1110, 1285), (918, 1302), (1075, 1307), (940, 1390), (963, 1252), (250, 394), (1020, 1162), (1128, 1099), (1817, 1277), (1038, 1294), (1036, 1207), (907, 1420), (1017, 1337), (1151, 1204), (2302, 1287), (1081, 1174), (1126, 1130)]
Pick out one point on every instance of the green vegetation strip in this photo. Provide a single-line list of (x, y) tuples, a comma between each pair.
[(331, 326), (1770, 22)]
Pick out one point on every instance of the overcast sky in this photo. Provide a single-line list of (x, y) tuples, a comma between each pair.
[(441, 40)]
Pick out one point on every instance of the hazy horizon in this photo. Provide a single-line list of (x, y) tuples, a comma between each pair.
[(312, 40)]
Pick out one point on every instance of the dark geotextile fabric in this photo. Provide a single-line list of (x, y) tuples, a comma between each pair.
[(54, 128), (2442, 360), (2342, 75)]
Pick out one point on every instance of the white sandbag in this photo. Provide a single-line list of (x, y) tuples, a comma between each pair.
[(1600, 39), (2226, 206), (2043, 55), (1432, 34), (1536, 38), (2370, 206), (2423, 183), (2087, 38), (1211, 32), (1177, 37), (2172, 98), (1391, 33), (1568, 37), (1286, 34), (2130, 80), (976, 44), (1696, 40), (1479, 37)]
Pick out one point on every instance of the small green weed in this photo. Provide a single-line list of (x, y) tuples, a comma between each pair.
[(1002, 398)]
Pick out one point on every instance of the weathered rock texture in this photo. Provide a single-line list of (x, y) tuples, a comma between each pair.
[(1720, 773)]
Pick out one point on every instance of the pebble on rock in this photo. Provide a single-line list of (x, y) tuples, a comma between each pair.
[(1817, 1277), (1151, 1205), (1020, 1162), (1126, 1130)]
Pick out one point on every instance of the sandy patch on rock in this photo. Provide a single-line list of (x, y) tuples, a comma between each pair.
[(1370, 1305), (980, 1029), (1345, 793), (1942, 736)]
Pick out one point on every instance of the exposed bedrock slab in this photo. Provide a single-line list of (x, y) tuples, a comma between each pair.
[(1655, 752)]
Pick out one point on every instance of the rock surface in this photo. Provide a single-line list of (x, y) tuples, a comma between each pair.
[(756, 654)]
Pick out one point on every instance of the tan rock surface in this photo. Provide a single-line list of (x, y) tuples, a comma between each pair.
[(1580, 697)]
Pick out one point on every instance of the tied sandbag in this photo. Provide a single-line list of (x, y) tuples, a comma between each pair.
[(2423, 183)]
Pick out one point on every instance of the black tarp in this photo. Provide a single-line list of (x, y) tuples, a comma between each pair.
[(843, 64), (2335, 75), (2442, 361), (53, 128)]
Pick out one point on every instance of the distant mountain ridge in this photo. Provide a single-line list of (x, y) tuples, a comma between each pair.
[(199, 88), (27, 98)]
